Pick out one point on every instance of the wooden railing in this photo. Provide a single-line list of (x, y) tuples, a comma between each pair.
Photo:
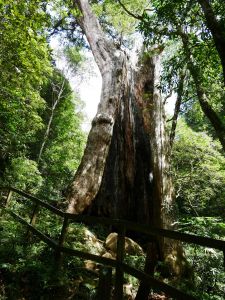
[(122, 227)]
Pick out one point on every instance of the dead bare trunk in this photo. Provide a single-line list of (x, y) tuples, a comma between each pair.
[(177, 108), (55, 103)]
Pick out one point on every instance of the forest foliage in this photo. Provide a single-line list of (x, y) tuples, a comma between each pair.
[(41, 117), (41, 137)]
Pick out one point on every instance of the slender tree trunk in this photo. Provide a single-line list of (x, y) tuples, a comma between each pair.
[(177, 108), (216, 29), (213, 117), (48, 128)]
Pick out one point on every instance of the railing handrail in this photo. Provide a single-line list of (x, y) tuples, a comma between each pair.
[(141, 228), (106, 261), (37, 201), (122, 226)]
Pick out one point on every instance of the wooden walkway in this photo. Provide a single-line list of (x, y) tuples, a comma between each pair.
[(105, 280)]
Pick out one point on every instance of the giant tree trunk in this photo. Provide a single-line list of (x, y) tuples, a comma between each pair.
[(124, 170), (133, 185)]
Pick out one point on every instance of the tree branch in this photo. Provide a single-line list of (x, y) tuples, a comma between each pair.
[(207, 109), (56, 26), (168, 96), (216, 29), (138, 17), (102, 49)]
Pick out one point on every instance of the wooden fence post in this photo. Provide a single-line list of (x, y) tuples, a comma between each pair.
[(150, 264), (10, 192), (58, 254), (32, 220), (105, 283), (118, 295), (34, 215), (224, 259)]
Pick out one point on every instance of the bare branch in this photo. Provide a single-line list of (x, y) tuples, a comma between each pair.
[(53, 108), (138, 17), (56, 26), (168, 96)]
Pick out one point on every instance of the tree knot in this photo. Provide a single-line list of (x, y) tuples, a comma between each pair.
[(102, 118)]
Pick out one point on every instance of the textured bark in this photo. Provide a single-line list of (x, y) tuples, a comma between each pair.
[(126, 191), (135, 185), (216, 29), (121, 170), (124, 172), (114, 77)]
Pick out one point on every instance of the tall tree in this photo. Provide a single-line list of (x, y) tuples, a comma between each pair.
[(58, 147), (124, 170), (210, 113), (184, 24), (217, 29), (25, 65), (57, 95), (199, 169)]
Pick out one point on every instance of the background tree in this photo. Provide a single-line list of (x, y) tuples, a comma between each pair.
[(198, 173), (25, 64), (184, 24), (34, 125), (54, 151), (61, 143), (214, 15)]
